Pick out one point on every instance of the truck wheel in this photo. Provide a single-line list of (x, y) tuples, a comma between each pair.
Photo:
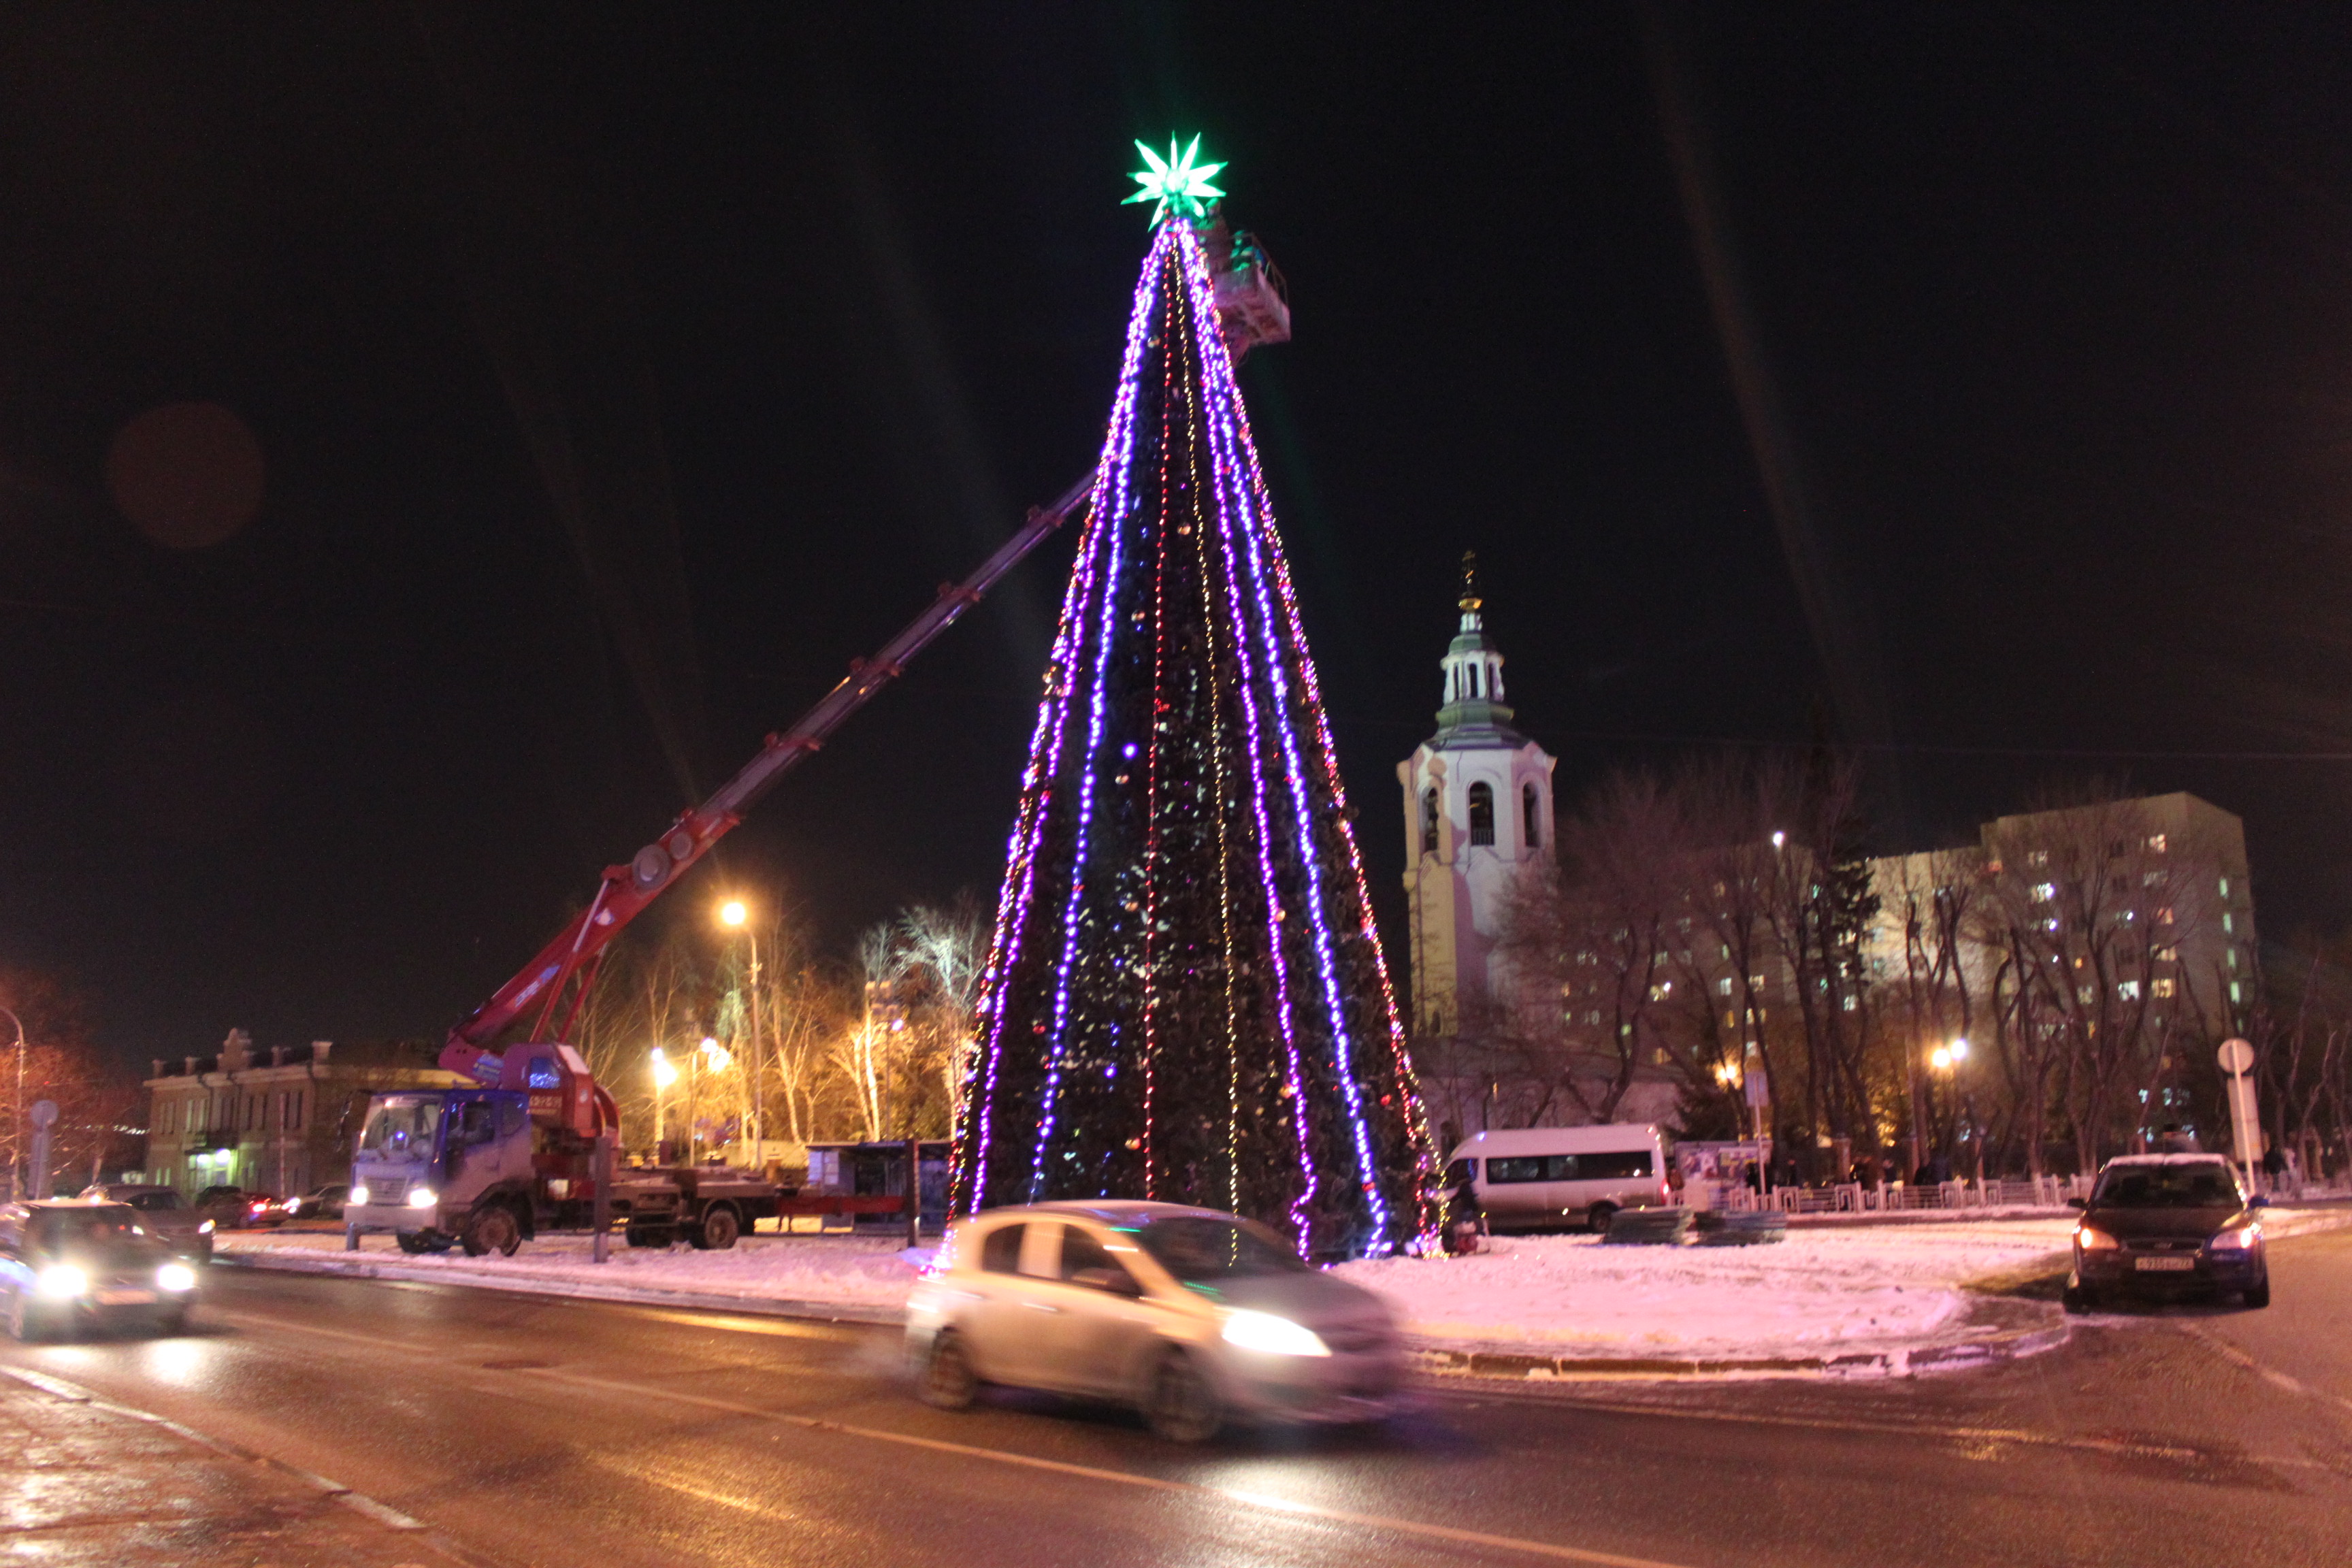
[(411, 1242), (1182, 1407), (648, 1236), (718, 1231), (492, 1229)]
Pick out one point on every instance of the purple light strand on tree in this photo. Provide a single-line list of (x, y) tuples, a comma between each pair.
[(1229, 469), (1114, 474), (1103, 524)]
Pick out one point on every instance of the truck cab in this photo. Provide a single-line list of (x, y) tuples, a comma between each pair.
[(430, 1163)]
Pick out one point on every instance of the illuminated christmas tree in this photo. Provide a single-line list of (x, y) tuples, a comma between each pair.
[(1185, 997)]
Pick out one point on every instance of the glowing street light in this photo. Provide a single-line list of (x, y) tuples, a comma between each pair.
[(1940, 1059), (736, 915), (733, 913), (1779, 839)]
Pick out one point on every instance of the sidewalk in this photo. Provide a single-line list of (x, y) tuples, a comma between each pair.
[(88, 1482)]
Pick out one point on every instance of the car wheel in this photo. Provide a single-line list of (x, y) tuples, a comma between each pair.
[(174, 1323), (718, 1231), (2079, 1299), (1181, 1407), (1598, 1215), (2260, 1295), (492, 1229), (23, 1324), (948, 1381)]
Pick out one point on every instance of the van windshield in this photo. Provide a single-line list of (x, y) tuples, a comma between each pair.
[(401, 1126)]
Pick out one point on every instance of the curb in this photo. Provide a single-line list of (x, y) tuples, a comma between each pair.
[(335, 1265), (1516, 1367)]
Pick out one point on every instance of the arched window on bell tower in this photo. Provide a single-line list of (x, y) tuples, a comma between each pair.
[(1530, 816), (1482, 812), (1429, 821)]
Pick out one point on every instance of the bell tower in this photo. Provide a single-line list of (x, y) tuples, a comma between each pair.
[(1477, 808)]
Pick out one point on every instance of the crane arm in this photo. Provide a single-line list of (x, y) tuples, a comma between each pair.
[(626, 890)]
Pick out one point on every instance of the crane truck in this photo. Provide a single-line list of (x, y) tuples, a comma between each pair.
[(515, 1151)]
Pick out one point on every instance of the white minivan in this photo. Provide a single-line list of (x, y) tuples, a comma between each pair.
[(1534, 1177)]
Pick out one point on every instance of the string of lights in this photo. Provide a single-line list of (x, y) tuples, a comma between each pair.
[(1183, 996)]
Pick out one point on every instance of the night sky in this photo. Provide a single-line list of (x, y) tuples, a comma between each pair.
[(604, 380)]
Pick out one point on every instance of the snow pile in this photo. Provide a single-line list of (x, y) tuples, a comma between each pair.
[(1866, 1287), (831, 1270)]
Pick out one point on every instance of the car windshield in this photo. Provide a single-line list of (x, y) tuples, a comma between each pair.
[(1201, 1251), (2167, 1187), (102, 1228), (401, 1126)]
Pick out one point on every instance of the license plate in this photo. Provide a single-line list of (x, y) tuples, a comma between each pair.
[(124, 1297), (2165, 1265)]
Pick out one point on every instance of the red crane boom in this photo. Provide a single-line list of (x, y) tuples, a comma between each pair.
[(566, 967)]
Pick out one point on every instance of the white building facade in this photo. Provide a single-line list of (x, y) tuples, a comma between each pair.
[(1478, 809)]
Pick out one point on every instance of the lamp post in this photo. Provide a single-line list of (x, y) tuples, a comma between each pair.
[(17, 1125), (1946, 1062), (710, 1057), (733, 913), (665, 1073)]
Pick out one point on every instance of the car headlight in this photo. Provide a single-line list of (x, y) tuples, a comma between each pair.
[(359, 1196), (205, 1228), (62, 1280), (176, 1277), (423, 1198), (1274, 1336), (2239, 1239), (2090, 1239)]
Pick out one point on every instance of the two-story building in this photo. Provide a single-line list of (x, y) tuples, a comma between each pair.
[(279, 1121)]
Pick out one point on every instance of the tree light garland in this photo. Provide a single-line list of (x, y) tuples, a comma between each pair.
[(1184, 997)]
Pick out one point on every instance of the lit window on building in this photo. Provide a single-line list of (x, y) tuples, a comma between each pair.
[(2127, 989), (2162, 987), (2044, 892), (2234, 995), (2225, 887), (1482, 812), (1722, 986), (2156, 843), (2228, 925)]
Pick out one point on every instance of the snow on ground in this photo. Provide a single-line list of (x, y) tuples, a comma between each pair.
[(832, 1270), (1828, 1290), (1863, 1288)]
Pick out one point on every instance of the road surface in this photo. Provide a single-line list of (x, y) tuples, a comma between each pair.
[(529, 1431)]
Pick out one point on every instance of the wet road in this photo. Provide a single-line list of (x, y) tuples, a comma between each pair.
[(532, 1431)]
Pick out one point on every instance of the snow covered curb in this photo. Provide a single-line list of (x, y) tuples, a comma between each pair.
[(847, 1278)]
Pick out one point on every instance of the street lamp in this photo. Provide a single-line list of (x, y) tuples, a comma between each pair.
[(735, 915), (665, 1073)]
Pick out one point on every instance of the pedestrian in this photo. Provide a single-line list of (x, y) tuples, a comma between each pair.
[(1465, 1217), (2273, 1168)]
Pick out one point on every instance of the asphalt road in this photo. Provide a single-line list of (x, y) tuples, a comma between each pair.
[(530, 1431)]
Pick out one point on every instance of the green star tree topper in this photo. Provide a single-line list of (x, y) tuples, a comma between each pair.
[(1175, 184)]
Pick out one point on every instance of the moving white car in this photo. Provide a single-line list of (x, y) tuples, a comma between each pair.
[(1192, 1316), (1533, 1176)]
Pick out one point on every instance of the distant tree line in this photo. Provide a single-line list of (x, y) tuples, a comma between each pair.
[(821, 1049)]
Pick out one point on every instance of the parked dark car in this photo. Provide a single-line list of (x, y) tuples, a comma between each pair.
[(71, 1265), (319, 1203), (183, 1226), (231, 1206), (2166, 1226)]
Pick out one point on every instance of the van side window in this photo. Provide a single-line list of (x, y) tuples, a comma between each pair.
[(1000, 1253), (1501, 1170), (1461, 1170), (1614, 1163)]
